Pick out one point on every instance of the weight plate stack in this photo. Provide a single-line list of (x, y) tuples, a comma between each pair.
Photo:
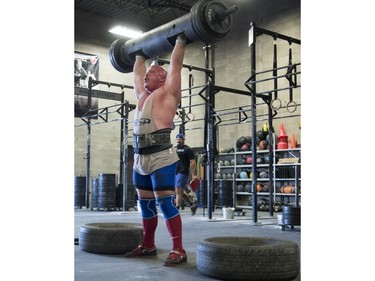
[(106, 191), (94, 194), (291, 215), (79, 191)]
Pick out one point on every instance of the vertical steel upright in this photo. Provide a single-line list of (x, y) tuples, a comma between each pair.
[(270, 153), (209, 134), (88, 145), (252, 40), (124, 141)]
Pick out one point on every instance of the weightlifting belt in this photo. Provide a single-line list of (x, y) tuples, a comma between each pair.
[(150, 143)]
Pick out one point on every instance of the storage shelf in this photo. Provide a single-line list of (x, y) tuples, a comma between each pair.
[(250, 166), (258, 179), (243, 152), (244, 207), (286, 194), (288, 149), (288, 164), (249, 193), (287, 171)]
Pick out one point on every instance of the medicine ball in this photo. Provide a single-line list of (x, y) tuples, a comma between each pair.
[(260, 160), (248, 140), (224, 176), (249, 160), (263, 145), (266, 188), (241, 161), (245, 147), (260, 135), (266, 159), (243, 175), (240, 142), (263, 174), (259, 187), (247, 188), (232, 162), (240, 188)]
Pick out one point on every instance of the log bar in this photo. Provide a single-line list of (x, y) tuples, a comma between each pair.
[(208, 21)]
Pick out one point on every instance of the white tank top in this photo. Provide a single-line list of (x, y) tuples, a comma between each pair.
[(144, 124)]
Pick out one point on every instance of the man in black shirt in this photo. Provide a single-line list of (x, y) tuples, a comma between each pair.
[(186, 171)]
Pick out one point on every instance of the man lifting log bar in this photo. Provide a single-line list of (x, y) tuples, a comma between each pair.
[(159, 94)]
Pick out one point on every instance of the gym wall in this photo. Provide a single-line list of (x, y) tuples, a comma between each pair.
[(231, 60)]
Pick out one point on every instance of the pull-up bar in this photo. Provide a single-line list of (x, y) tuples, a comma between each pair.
[(275, 35)]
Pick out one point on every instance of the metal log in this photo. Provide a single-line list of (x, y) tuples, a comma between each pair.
[(208, 21)]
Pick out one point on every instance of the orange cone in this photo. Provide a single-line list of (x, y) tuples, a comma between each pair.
[(293, 142)]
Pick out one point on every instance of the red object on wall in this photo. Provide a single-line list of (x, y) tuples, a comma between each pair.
[(282, 138)]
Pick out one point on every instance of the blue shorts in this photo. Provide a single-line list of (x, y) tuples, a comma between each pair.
[(161, 179), (181, 180)]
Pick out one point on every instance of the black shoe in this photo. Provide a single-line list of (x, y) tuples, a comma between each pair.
[(193, 209)]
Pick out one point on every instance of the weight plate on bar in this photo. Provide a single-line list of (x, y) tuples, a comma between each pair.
[(115, 56), (213, 19)]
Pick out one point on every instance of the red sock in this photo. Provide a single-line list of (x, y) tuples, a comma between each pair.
[(174, 226), (149, 228)]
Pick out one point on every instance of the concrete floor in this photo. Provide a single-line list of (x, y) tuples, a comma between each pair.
[(96, 267)]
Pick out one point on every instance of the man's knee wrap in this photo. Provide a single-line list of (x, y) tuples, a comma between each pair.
[(148, 208), (167, 207)]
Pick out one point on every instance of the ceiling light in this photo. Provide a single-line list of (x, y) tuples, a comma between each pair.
[(124, 31)]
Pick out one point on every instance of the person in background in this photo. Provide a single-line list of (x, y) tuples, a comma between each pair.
[(186, 171), (155, 160)]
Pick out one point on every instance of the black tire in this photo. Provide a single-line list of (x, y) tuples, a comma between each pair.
[(110, 238), (248, 258)]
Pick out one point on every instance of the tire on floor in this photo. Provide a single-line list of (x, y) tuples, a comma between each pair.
[(110, 237), (248, 258)]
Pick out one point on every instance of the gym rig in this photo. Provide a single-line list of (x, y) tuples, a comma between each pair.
[(269, 97)]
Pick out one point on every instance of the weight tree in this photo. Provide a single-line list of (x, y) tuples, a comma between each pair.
[(123, 110), (270, 97)]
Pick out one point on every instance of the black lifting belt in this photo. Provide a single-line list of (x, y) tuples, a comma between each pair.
[(150, 143)]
